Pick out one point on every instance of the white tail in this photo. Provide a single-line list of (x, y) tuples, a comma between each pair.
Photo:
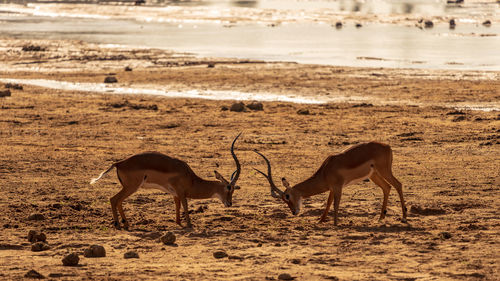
[(102, 174)]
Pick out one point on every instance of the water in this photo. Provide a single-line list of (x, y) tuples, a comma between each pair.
[(276, 30)]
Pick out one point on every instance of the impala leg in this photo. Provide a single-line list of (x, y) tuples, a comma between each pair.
[(123, 194), (386, 188), (337, 193), (186, 211), (327, 209), (399, 187), (177, 210)]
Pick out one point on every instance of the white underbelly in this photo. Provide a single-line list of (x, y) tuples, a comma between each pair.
[(357, 174), (167, 188)]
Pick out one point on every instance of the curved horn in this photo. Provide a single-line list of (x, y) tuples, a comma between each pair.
[(269, 177), (236, 174)]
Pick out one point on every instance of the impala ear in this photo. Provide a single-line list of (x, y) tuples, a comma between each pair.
[(285, 183), (220, 177)]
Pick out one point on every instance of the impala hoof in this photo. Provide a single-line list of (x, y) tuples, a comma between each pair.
[(403, 220)]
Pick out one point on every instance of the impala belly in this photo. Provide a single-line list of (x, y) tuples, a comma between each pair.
[(160, 181), (360, 173)]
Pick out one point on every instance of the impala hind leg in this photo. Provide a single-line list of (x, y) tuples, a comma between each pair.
[(386, 188), (386, 173), (128, 188), (186, 211)]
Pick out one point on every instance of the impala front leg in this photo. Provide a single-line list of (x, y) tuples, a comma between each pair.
[(327, 209), (177, 210)]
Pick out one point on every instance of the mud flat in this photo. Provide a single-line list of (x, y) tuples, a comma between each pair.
[(54, 141)]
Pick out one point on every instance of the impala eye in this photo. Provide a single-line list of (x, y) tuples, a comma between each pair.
[(228, 187), (287, 197)]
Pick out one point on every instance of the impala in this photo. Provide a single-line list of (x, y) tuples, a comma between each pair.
[(371, 160), (171, 175)]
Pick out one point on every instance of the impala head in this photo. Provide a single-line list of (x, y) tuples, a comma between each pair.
[(226, 188), (290, 196)]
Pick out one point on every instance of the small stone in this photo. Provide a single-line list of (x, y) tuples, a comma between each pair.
[(338, 25), (94, 251), (36, 217), (445, 235), (303, 111), (285, 276), (5, 93), (40, 246), (32, 48), (452, 23), (220, 254), (128, 68), (131, 255), (110, 79), (36, 236), (71, 260), (257, 106), (237, 107), (33, 274), (13, 86), (358, 25), (487, 23), (211, 65), (428, 24), (224, 108), (168, 238)]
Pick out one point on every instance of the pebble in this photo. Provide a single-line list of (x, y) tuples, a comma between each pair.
[(168, 238), (5, 93), (110, 79), (220, 254), (445, 235), (40, 246), (285, 276), (36, 236), (131, 255), (303, 111), (71, 260), (94, 251), (33, 274), (257, 106), (36, 217), (237, 107)]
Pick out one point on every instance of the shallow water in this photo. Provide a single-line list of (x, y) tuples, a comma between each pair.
[(373, 45), (240, 96)]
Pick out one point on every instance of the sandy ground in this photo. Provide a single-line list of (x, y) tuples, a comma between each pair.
[(54, 142)]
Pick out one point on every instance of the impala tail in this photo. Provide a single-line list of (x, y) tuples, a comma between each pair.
[(102, 174)]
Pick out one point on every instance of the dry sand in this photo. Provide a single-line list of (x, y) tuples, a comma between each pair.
[(54, 142)]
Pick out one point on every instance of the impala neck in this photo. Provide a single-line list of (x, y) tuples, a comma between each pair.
[(312, 186), (206, 188)]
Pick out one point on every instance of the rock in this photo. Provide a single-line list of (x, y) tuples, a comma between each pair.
[(40, 246), (131, 255), (211, 65), (220, 254), (358, 25), (257, 106), (487, 23), (168, 238), (428, 24), (452, 24), (32, 48), (224, 108), (13, 86), (128, 68), (237, 107), (36, 236), (338, 25), (36, 217), (33, 274), (285, 276), (110, 79), (94, 251), (140, 2), (71, 260), (303, 111), (445, 235), (5, 93)]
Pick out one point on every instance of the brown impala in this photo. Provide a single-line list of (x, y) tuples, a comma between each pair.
[(371, 160), (174, 176)]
